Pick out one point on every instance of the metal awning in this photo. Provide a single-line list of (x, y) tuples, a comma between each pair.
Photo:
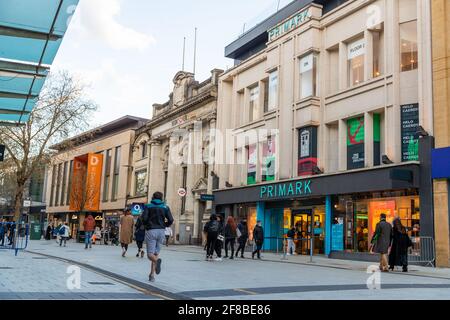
[(31, 32)]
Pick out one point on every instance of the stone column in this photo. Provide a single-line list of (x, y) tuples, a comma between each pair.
[(190, 178), (155, 174), (343, 70), (173, 200), (212, 148), (368, 139)]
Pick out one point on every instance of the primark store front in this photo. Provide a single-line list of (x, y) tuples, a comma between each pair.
[(339, 210)]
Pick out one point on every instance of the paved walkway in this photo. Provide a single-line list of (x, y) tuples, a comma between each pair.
[(187, 275)]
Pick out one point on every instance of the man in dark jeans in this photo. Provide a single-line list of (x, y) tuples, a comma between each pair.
[(258, 236), (156, 218)]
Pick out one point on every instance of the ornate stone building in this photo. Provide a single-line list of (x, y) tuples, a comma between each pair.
[(174, 150)]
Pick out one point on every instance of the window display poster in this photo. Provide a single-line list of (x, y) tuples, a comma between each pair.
[(376, 140), (307, 150), (355, 143), (268, 167), (409, 126), (251, 169), (376, 208), (337, 237)]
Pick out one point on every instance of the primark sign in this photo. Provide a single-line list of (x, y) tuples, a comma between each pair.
[(289, 24), (280, 190)]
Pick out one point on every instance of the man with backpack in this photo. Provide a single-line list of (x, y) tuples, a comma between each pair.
[(258, 237), (290, 238), (156, 218), (64, 234)]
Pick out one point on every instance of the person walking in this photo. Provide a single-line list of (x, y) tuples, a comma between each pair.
[(89, 227), (220, 238), (126, 231), (2, 232), (258, 237), (211, 229), (290, 241), (139, 235), (64, 233), (156, 218), (399, 246), (242, 240), (381, 241), (48, 232), (230, 234), (168, 233)]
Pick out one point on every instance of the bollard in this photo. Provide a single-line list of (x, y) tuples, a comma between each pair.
[(311, 249)]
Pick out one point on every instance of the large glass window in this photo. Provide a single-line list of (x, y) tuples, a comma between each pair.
[(272, 91), (64, 181), (251, 164), (58, 185), (107, 175), (356, 54), (254, 103), (69, 184), (408, 42), (308, 76), (144, 150), (52, 188), (268, 166), (377, 40), (115, 183)]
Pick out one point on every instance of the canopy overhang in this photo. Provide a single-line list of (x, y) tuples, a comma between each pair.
[(31, 32)]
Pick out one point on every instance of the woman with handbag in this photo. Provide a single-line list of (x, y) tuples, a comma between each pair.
[(230, 236), (220, 238), (211, 229), (242, 238)]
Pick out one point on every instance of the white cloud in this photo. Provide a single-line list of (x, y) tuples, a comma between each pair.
[(98, 19)]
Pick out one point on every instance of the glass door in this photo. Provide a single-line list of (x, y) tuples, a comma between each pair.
[(302, 220)]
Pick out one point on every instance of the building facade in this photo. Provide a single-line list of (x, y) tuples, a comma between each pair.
[(172, 154), (441, 105), (328, 114), (90, 174)]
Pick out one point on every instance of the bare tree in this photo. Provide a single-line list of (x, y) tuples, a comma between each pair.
[(62, 109)]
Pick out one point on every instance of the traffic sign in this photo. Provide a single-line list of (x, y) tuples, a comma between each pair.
[(181, 192), (26, 203)]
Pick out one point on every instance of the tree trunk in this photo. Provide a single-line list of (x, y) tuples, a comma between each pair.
[(18, 202)]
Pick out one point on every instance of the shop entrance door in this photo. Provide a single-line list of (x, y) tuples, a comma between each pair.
[(302, 220)]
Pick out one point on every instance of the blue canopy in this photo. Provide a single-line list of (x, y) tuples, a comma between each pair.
[(31, 32)]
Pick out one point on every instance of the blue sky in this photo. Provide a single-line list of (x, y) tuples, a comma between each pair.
[(128, 51)]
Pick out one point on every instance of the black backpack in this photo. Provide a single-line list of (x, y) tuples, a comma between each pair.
[(213, 226)]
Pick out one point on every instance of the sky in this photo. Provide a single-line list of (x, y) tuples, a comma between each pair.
[(128, 51)]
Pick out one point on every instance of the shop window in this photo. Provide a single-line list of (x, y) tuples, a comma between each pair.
[(268, 166), (115, 182), (408, 42), (254, 104), (308, 76), (356, 55)]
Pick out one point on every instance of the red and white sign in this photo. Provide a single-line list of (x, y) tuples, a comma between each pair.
[(181, 192)]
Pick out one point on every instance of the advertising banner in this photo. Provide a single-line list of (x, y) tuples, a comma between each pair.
[(78, 182), (410, 138), (251, 169), (94, 179), (376, 140), (268, 165), (355, 143), (307, 150), (337, 237)]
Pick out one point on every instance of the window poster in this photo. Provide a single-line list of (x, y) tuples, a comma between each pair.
[(376, 208), (251, 168), (307, 150), (409, 126), (268, 167), (376, 140), (355, 143)]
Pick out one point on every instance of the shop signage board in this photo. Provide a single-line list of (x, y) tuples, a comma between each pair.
[(355, 143), (207, 197), (2, 152), (307, 150), (289, 24), (440, 167), (279, 190), (409, 126), (137, 209)]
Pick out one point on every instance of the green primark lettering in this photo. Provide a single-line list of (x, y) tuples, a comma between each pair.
[(281, 190)]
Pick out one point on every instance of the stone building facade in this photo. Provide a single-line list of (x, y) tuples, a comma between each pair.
[(326, 115), (174, 151)]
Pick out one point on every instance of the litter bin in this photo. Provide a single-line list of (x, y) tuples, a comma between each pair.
[(35, 232)]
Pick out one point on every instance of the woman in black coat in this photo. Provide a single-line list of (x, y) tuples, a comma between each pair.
[(242, 240), (399, 247)]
